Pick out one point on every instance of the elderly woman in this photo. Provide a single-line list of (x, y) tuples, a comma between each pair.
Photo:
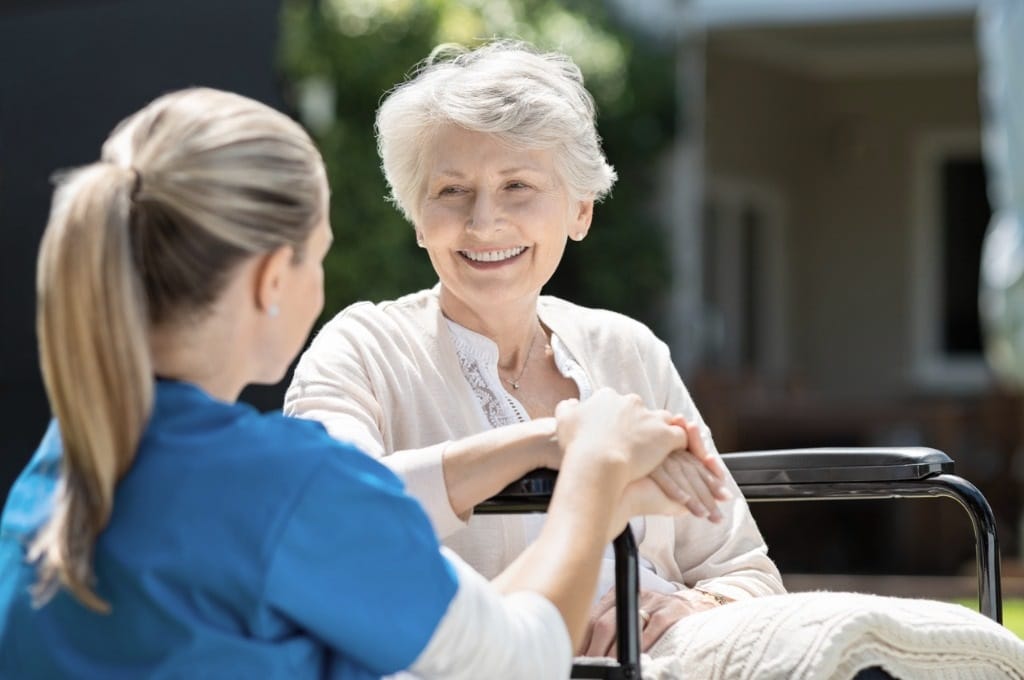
[(494, 158)]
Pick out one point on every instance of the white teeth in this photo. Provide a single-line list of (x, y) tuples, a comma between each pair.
[(493, 255)]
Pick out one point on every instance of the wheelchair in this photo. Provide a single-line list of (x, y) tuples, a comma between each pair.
[(788, 475)]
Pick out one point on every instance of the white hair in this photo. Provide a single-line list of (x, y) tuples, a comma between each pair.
[(528, 99)]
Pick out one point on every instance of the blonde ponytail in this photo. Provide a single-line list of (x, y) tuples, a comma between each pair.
[(91, 321), (191, 185), (188, 186)]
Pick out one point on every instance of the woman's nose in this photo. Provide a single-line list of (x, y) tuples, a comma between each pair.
[(484, 214)]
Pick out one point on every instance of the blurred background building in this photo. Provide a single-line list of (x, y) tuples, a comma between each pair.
[(800, 212), (845, 204)]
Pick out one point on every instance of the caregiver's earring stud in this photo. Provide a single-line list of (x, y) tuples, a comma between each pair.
[(273, 310)]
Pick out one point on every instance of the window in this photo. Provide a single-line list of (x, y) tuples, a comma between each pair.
[(965, 217), (951, 214), (743, 250)]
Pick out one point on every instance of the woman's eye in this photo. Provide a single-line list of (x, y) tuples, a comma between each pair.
[(517, 185), (450, 191)]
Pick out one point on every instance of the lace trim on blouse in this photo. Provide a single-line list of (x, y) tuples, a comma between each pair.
[(498, 411), (478, 357)]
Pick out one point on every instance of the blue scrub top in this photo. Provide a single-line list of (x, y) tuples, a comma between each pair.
[(241, 545)]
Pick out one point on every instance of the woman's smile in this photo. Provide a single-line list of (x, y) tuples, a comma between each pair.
[(492, 258)]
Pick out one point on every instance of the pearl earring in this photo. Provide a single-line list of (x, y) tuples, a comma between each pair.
[(273, 310)]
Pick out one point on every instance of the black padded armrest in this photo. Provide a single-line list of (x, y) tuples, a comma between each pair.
[(810, 466), (790, 466), (540, 482), (529, 493)]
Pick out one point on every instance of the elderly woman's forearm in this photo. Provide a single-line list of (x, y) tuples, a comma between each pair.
[(481, 465)]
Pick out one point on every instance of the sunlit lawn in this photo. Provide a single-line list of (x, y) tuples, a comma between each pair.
[(1013, 613), (1013, 616)]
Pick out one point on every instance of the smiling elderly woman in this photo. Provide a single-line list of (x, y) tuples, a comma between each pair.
[(493, 156)]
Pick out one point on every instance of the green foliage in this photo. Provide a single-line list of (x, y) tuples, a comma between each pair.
[(341, 56)]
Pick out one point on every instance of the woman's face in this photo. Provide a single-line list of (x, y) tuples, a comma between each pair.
[(494, 220)]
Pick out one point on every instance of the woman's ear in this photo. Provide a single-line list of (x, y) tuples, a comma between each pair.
[(580, 225), (271, 277)]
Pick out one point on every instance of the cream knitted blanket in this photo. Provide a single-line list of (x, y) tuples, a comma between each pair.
[(828, 635)]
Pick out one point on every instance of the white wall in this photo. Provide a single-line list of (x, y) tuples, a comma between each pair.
[(839, 151)]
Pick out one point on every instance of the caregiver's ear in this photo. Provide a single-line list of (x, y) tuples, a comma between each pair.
[(271, 273)]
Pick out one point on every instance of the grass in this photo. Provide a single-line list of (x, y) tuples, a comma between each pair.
[(1013, 613)]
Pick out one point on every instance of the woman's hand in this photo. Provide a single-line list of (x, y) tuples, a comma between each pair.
[(620, 428), (694, 478), (658, 613)]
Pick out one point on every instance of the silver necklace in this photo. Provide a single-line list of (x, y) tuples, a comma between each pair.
[(514, 382)]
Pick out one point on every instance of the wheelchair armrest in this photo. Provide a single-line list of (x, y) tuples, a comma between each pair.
[(828, 465), (539, 482), (529, 493), (784, 466)]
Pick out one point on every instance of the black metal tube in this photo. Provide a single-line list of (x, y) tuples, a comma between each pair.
[(627, 588), (990, 597), (942, 486)]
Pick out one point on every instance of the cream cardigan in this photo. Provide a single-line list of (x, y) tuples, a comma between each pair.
[(386, 378)]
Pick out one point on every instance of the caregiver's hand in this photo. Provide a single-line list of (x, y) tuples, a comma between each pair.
[(620, 429)]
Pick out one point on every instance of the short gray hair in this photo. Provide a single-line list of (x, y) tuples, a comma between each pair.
[(527, 98)]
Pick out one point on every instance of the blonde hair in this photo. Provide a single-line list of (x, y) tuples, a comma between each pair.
[(186, 189), (527, 98)]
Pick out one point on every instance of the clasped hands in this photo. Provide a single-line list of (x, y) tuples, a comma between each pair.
[(673, 472)]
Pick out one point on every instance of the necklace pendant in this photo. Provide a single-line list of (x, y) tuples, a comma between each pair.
[(514, 382)]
